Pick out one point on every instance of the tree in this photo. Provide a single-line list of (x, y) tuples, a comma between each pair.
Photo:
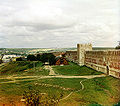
[(38, 57), (118, 47), (0, 61), (48, 57), (31, 58), (19, 59), (44, 57), (52, 59)]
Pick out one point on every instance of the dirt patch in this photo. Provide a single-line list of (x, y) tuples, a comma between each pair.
[(11, 101)]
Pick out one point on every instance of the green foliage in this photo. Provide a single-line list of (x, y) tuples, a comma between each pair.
[(31, 58), (99, 90), (96, 91), (118, 47), (73, 84), (19, 59), (45, 57), (74, 69), (94, 105), (35, 98), (118, 104), (0, 61), (48, 57), (51, 59), (38, 57), (18, 66)]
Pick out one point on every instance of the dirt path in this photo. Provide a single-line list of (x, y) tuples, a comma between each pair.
[(51, 70), (75, 91), (30, 78), (43, 77), (57, 76)]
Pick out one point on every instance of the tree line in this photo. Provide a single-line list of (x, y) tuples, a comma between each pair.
[(45, 57)]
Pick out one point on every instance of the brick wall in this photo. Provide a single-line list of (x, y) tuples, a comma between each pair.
[(71, 56), (107, 62), (104, 61)]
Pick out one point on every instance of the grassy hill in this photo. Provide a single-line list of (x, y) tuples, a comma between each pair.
[(104, 91), (74, 69), (23, 68)]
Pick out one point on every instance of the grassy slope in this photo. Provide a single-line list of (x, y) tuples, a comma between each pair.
[(17, 89), (98, 90), (103, 91), (74, 69), (23, 68)]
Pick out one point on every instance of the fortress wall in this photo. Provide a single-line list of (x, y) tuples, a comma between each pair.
[(105, 61), (81, 48), (71, 56)]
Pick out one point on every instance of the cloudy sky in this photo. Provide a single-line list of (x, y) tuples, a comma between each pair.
[(59, 23)]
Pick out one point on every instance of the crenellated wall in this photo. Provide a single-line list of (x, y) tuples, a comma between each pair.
[(106, 61)]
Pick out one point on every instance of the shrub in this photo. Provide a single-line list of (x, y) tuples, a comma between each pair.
[(35, 98)]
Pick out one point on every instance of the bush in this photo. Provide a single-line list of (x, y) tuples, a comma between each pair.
[(35, 98)]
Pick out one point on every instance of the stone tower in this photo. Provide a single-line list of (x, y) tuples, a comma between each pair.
[(81, 48)]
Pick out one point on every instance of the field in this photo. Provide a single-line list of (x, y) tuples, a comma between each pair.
[(74, 69), (76, 91), (26, 51), (102, 91)]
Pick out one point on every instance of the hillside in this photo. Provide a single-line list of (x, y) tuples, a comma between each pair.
[(22, 67)]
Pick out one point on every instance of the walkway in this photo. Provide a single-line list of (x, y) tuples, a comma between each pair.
[(51, 70), (14, 79)]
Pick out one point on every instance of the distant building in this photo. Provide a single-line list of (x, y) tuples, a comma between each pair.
[(61, 61), (8, 58)]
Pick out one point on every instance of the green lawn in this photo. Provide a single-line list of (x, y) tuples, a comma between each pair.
[(18, 88), (74, 69), (23, 68), (104, 91)]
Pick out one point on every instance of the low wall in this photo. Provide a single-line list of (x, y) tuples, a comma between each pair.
[(105, 61)]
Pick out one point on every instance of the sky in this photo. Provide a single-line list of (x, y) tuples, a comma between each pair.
[(59, 23)]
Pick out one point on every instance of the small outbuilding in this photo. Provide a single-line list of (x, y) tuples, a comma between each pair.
[(61, 61)]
